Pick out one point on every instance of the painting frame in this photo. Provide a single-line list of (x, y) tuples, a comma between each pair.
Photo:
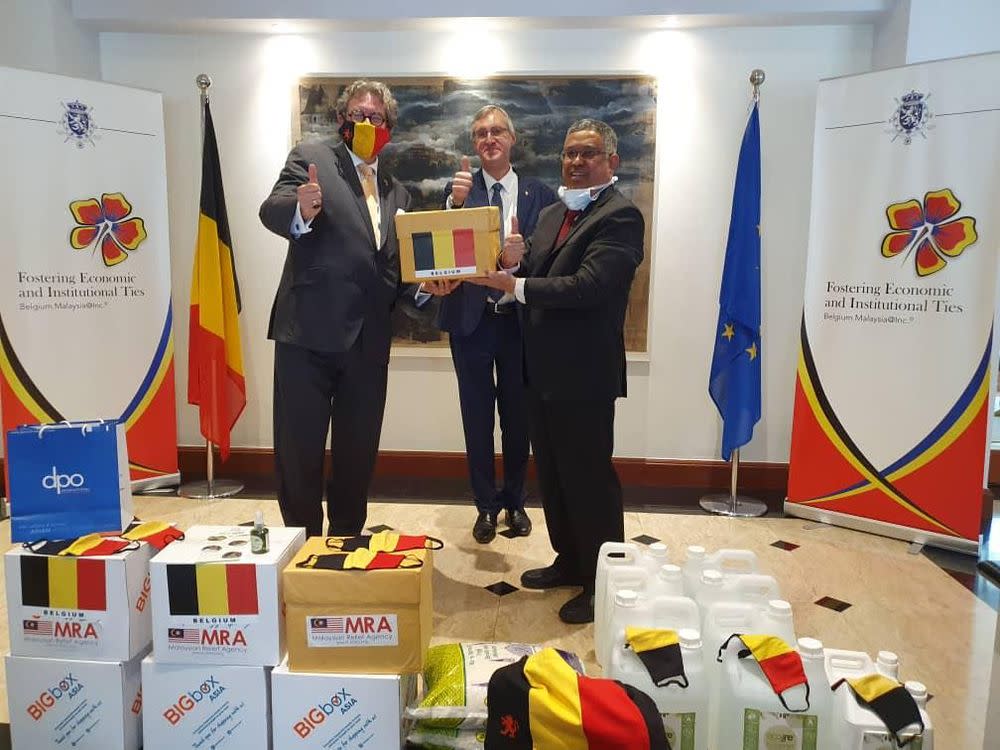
[(433, 133)]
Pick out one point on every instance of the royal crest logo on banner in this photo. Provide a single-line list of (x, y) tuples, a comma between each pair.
[(85, 319), (892, 398)]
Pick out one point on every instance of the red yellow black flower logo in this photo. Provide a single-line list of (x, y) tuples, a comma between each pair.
[(928, 231), (106, 224)]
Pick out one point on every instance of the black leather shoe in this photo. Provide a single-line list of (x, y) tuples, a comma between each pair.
[(485, 528), (578, 610), (518, 522), (549, 578)]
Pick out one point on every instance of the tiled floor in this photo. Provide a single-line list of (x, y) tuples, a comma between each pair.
[(894, 600)]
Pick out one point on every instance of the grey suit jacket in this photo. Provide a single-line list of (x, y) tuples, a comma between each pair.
[(335, 281)]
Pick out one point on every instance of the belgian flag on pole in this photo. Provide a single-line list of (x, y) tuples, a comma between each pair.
[(215, 356)]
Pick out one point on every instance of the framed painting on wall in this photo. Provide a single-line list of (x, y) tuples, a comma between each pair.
[(433, 133)]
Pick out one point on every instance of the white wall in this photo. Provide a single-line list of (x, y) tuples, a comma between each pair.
[(960, 27), (702, 108), (42, 35), (891, 36)]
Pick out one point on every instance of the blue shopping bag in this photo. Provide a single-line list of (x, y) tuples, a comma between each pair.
[(68, 479)]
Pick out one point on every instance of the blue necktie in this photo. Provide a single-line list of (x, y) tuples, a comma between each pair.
[(497, 200)]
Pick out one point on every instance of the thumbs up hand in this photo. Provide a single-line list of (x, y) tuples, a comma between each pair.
[(461, 184), (310, 196), (513, 246)]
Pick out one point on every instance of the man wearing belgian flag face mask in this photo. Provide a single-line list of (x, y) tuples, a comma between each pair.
[(330, 322)]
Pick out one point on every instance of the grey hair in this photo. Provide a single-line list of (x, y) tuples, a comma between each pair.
[(607, 133), (376, 89), (490, 109)]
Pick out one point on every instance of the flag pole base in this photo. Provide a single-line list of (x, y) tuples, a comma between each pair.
[(205, 490), (739, 507)]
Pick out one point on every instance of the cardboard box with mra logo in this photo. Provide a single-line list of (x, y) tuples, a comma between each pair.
[(78, 607), (364, 621)]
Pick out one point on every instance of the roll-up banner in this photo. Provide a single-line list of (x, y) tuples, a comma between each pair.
[(892, 398), (85, 320)]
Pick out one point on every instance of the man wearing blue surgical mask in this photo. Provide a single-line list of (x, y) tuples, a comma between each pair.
[(572, 281)]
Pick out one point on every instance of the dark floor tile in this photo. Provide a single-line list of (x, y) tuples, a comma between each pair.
[(835, 604), (501, 588), (381, 527), (508, 533), (782, 544), (645, 539)]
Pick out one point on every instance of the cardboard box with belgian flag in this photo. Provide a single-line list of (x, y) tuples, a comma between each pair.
[(358, 612), (448, 244), (215, 602)]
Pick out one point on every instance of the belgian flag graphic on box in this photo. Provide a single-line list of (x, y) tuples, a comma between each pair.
[(212, 589), (448, 244), (63, 582)]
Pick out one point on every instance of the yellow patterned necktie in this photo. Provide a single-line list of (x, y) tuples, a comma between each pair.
[(371, 198)]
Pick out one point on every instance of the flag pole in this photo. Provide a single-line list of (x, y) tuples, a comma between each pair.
[(210, 488), (735, 505)]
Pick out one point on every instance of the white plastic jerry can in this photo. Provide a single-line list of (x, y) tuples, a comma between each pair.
[(752, 716), (638, 610), (722, 620), (621, 566), (668, 581), (622, 558), (684, 709), (754, 588), (859, 728)]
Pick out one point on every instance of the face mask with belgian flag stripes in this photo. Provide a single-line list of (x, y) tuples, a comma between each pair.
[(384, 541), (360, 559), (890, 701), (660, 653), (780, 663)]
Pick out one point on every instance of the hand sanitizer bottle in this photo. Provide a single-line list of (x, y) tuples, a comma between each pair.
[(258, 535)]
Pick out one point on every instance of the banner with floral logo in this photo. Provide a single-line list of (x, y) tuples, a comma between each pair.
[(892, 398), (85, 321)]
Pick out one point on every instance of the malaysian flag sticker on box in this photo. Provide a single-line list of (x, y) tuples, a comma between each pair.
[(346, 631)]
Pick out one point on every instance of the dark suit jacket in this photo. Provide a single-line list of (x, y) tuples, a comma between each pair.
[(576, 294), (461, 310), (335, 280)]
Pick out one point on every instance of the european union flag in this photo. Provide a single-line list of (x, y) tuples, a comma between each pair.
[(734, 384)]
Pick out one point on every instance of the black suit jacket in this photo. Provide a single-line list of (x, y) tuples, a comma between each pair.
[(462, 310), (335, 281), (575, 298)]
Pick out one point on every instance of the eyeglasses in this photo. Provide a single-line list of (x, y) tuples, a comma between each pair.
[(587, 154), (356, 115), (483, 133)]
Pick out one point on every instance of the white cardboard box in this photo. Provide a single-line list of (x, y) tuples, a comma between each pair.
[(79, 607), (313, 711), (214, 602), (205, 706), (84, 705)]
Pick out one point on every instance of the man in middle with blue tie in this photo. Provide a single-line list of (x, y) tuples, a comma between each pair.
[(485, 334)]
